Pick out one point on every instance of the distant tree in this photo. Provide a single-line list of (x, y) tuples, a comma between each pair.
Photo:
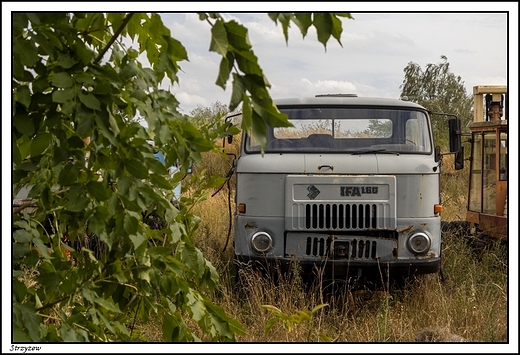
[(439, 90), (76, 91)]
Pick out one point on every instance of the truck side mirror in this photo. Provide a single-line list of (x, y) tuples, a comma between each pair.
[(438, 155), (230, 139), (455, 135), (459, 159)]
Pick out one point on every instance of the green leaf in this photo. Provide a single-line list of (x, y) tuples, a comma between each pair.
[(85, 125), (44, 250), (219, 41), (97, 190), (113, 124), (239, 89), (65, 61), (68, 175), (96, 223), (160, 182), (23, 95), (337, 29), (50, 280), (173, 328), (27, 51), (61, 96), (131, 224), (41, 142), (323, 24), (124, 183), (85, 54), (30, 320), (303, 21), (19, 335), (19, 290), (136, 168), (197, 307), (90, 101), (318, 307), (166, 65), (285, 19), (24, 124), (259, 130), (78, 204), (137, 240), (248, 63), (224, 70), (18, 68), (105, 130), (219, 320), (156, 166), (22, 236), (237, 36), (236, 327), (20, 250), (270, 114), (107, 304), (62, 80), (40, 85), (247, 114), (269, 324), (193, 259), (175, 49), (325, 338)]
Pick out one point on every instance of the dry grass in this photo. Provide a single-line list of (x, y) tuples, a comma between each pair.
[(454, 190), (468, 304)]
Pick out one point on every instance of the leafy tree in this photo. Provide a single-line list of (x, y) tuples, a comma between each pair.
[(439, 90), (92, 175)]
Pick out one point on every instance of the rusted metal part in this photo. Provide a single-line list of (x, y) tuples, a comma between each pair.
[(405, 229), (494, 226), (251, 225)]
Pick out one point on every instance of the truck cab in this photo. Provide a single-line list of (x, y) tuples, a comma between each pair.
[(352, 188)]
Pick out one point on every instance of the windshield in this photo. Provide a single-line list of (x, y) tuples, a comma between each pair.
[(343, 129)]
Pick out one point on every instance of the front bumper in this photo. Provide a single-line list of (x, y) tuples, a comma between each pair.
[(343, 269)]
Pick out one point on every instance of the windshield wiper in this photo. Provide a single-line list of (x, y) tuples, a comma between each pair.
[(373, 151), (368, 151)]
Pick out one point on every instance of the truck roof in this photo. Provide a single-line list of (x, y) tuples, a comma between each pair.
[(342, 100)]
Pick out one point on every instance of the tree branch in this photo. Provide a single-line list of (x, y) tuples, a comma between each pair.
[(114, 37)]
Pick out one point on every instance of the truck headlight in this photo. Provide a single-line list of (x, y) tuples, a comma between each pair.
[(261, 242), (419, 243)]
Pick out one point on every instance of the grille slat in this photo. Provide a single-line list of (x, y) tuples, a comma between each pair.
[(353, 249), (337, 216)]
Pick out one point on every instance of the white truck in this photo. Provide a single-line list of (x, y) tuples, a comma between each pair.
[(351, 189)]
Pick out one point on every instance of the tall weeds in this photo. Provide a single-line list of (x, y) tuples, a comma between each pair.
[(469, 302)]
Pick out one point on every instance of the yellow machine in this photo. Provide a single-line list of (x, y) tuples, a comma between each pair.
[(487, 199)]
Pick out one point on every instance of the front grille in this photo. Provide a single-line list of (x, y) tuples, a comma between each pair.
[(339, 216), (351, 249), (342, 216)]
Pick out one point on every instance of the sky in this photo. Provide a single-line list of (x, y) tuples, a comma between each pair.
[(376, 47), (481, 48)]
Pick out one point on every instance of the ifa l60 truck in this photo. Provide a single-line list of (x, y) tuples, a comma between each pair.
[(352, 188)]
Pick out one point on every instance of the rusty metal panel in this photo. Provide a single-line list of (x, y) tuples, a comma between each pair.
[(494, 226)]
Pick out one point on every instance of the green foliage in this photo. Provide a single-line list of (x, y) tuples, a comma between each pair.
[(93, 177), (290, 321), (439, 90), (64, 98)]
